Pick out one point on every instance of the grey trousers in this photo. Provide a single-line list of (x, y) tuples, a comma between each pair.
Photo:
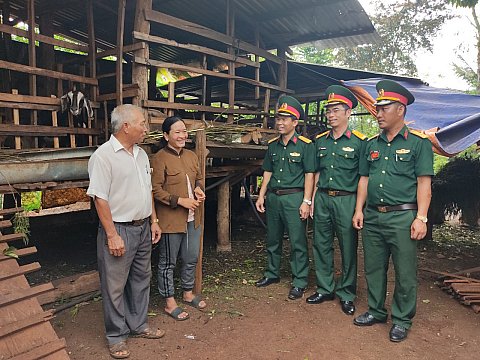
[(188, 245), (125, 281)]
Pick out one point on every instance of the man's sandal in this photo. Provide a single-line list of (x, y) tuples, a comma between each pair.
[(176, 314), (119, 350), (150, 334), (195, 303)]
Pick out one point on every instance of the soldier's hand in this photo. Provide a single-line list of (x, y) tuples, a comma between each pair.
[(357, 220), (418, 230), (304, 211), (260, 204), (116, 246)]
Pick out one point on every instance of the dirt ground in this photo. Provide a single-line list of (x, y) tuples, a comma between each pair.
[(244, 322)]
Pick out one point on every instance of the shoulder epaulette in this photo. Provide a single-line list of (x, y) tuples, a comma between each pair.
[(272, 140), (373, 137), (322, 134), (419, 134), (304, 139), (359, 134)]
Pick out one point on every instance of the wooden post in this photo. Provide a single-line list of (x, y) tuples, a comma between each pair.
[(47, 54), (171, 96), (204, 84), (92, 60), (266, 108), (202, 152), (257, 59), (105, 111), (32, 59), (56, 143), (140, 71), (282, 69), (223, 217), (16, 121), (231, 64), (119, 68), (307, 105), (317, 115)]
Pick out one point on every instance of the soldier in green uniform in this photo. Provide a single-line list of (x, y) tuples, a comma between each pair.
[(397, 190), (338, 153), (286, 192)]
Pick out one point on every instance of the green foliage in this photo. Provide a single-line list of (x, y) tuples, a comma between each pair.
[(404, 28), (32, 200), (439, 162), (311, 54), (464, 3), (21, 224)]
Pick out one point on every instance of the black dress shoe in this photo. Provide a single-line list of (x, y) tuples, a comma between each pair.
[(398, 333), (347, 307), (266, 281), (367, 319), (296, 293), (317, 298)]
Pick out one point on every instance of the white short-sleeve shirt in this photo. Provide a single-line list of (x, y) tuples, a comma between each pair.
[(121, 179)]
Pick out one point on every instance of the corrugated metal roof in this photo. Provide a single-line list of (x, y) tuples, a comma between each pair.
[(280, 22)]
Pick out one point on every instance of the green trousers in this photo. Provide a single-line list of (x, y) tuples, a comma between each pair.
[(333, 216), (386, 234), (283, 215)]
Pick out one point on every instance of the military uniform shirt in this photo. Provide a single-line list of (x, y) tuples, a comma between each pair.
[(338, 160), (289, 163), (394, 167)]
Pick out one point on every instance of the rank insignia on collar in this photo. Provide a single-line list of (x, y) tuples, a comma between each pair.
[(402, 151), (374, 154), (348, 148), (294, 154)]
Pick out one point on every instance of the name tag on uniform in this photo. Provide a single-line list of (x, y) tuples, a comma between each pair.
[(402, 151), (294, 154), (348, 148)]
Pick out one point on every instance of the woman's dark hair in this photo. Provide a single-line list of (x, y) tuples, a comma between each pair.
[(169, 121)]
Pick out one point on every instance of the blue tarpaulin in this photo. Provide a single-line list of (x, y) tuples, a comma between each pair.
[(457, 115)]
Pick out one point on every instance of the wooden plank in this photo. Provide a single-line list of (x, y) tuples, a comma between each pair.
[(48, 73), (201, 71), (223, 216), (42, 351), (197, 29), (112, 96), (119, 63), (196, 48), (22, 270), (11, 237), (171, 96), (56, 142), (211, 109), (42, 38), (140, 72), (5, 224), (266, 107), (36, 130), (21, 252), (10, 211), (16, 121), (103, 76), (23, 294), (15, 97), (446, 274), (202, 152), (23, 324), (126, 49), (12, 105)]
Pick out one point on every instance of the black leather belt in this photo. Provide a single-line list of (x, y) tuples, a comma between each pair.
[(385, 209), (285, 191), (336, 192), (133, 222)]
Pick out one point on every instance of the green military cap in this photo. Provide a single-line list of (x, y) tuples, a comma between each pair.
[(337, 94), (390, 91), (289, 106)]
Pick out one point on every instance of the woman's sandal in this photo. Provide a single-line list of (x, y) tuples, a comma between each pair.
[(176, 314), (119, 350), (195, 303)]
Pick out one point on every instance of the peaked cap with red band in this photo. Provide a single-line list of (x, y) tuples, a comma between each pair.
[(289, 106), (337, 94), (390, 91)]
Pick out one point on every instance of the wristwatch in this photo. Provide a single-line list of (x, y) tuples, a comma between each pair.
[(423, 219), (308, 202), (155, 221)]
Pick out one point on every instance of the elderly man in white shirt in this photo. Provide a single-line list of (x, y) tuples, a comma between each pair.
[(120, 186)]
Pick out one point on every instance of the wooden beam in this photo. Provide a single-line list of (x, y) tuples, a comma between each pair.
[(231, 65), (10, 211), (223, 216), (36, 130), (126, 49), (16, 121), (202, 152), (171, 96), (29, 99), (113, 96), (119, 64), (48, 73), (197, 29), (22, 270), (140, 71), (161, 64), (210, 109), (43, 351), (32, 59), (21, 252), (31, 320), (266, 108), (196, 48)]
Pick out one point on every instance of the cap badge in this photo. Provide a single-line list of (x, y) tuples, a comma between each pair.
[(284, 106), (381, 92), (331, 96)]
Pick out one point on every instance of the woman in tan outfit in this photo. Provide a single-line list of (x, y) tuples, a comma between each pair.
[(176, 186)]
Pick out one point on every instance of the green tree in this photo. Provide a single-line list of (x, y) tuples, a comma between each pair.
[(464, 70), (404, 27), (311, 54)]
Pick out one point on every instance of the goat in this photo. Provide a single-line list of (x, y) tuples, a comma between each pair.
[(78, 105)]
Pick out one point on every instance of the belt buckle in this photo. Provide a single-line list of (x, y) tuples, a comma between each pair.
[(138, 222), (332, 193), (382, 209)]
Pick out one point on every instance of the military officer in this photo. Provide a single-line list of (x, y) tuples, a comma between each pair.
[(338, 154), (286, 194), (397, 190)]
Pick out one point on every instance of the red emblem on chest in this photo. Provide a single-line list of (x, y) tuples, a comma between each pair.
[(374, 154)]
